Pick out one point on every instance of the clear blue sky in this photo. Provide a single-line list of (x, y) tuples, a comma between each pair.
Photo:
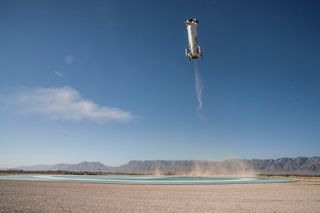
[(108, 81)]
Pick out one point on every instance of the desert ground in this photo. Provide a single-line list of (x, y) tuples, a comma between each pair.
[(31, 196)]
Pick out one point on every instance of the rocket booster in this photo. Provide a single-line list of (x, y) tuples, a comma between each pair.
[(194, 50)]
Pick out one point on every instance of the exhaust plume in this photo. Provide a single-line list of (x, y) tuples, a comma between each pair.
[(199, 89), (198, 85)]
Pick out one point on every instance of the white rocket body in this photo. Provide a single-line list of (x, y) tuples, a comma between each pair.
[(194, 51)]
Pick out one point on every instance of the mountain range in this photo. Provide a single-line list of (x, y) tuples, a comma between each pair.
[(283, 166)]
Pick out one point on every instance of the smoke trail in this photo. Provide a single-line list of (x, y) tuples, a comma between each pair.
[(198, 85)]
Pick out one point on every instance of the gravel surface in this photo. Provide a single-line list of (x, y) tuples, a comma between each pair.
[(29, 196)]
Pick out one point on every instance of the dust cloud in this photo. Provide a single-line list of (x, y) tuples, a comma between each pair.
[(232, 168)]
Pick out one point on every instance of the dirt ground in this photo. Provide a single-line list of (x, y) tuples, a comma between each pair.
[(29, 196)]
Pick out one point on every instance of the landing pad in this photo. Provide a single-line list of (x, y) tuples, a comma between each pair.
[(146, 180)]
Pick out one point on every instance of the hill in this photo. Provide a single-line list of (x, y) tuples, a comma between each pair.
[(284, 166)]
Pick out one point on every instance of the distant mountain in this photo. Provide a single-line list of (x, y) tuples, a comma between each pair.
[(38, 167), (83, 166), (88, 166), (285, 166), (299, 165)]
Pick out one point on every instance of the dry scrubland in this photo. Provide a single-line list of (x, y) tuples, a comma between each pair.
[(27, 196)]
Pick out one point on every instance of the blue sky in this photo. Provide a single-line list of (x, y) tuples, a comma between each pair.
[(108, 81)]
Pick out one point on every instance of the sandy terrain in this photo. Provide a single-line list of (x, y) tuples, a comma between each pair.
[(27, 196)]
